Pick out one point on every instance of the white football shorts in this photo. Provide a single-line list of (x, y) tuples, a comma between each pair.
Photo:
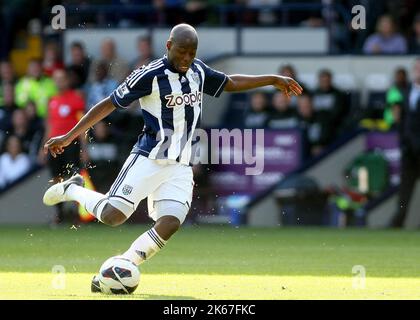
[(141, 177)]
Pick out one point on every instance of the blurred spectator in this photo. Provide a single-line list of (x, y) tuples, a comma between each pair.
[(102, 87), (316, 126), (8, 97), (7, 107), (414, 42), (52, 58), (386, 40), (170, 12), (7, 73), (196, 12), (257, 12), (132, 18), (401, 79), (79, 65), (64, 110), (328, 101), (118, 68), (257, 115), (7, 78), (75, 79), (287, 70), (36, 124), (340, 34), (410, 147), (282, 115), (13, 162), (395, 96), (145, 52), (35, 87), (103, 154), (21, 128), (396, 112), (14, 16), (313, 21)]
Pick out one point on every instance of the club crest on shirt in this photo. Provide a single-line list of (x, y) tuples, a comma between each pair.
[(122, 90), (126, 190)]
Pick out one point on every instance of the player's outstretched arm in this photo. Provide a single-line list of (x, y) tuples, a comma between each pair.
[(57, 144), (238, 82)]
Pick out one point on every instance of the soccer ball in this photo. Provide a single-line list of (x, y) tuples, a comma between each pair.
[(118, 276)]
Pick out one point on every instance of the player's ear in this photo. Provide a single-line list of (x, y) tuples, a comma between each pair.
[(168, 44)]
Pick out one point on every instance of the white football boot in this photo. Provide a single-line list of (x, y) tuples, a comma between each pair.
[(57, 193)]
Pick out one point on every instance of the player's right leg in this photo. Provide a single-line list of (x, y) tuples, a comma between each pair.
[(95, 203), (168, 206), (138, 177), (108, 210)]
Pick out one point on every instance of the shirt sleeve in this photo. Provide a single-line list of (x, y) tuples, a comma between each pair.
[(214, 81), (138, 84)]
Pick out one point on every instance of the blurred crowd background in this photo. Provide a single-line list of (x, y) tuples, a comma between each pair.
[(29, 99), (395, 21)]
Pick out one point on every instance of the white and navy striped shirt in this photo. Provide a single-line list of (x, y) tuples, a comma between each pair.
[(171, 105)]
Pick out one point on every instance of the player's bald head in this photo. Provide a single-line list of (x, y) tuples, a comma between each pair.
[(184, 34), (182, 47)]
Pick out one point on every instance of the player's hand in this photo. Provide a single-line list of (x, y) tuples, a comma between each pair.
[(56, 145), (289, 86)]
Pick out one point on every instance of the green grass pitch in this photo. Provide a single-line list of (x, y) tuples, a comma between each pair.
[(205, 262)]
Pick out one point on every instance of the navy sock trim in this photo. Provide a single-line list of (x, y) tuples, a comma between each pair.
[(155, 239)]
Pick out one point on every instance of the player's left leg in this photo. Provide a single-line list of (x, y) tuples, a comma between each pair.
[(168, 206), (170, 215)]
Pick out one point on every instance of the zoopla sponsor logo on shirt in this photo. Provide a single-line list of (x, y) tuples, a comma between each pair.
[(179, 100)]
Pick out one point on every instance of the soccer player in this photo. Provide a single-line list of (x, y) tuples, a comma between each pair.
[(170, 91)]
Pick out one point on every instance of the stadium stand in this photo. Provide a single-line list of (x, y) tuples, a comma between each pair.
[(360, 82)]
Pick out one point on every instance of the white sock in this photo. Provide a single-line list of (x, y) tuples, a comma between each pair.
[(93, 201), (144, 247)]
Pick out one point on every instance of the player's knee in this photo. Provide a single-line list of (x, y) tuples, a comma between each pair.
[(168, 225), (112, 216), (173, 224)]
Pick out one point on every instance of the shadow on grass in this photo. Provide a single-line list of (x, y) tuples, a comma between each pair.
[(134, 296), (145, 296)]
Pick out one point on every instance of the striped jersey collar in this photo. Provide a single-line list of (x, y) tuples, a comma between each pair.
[(169, 66)]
